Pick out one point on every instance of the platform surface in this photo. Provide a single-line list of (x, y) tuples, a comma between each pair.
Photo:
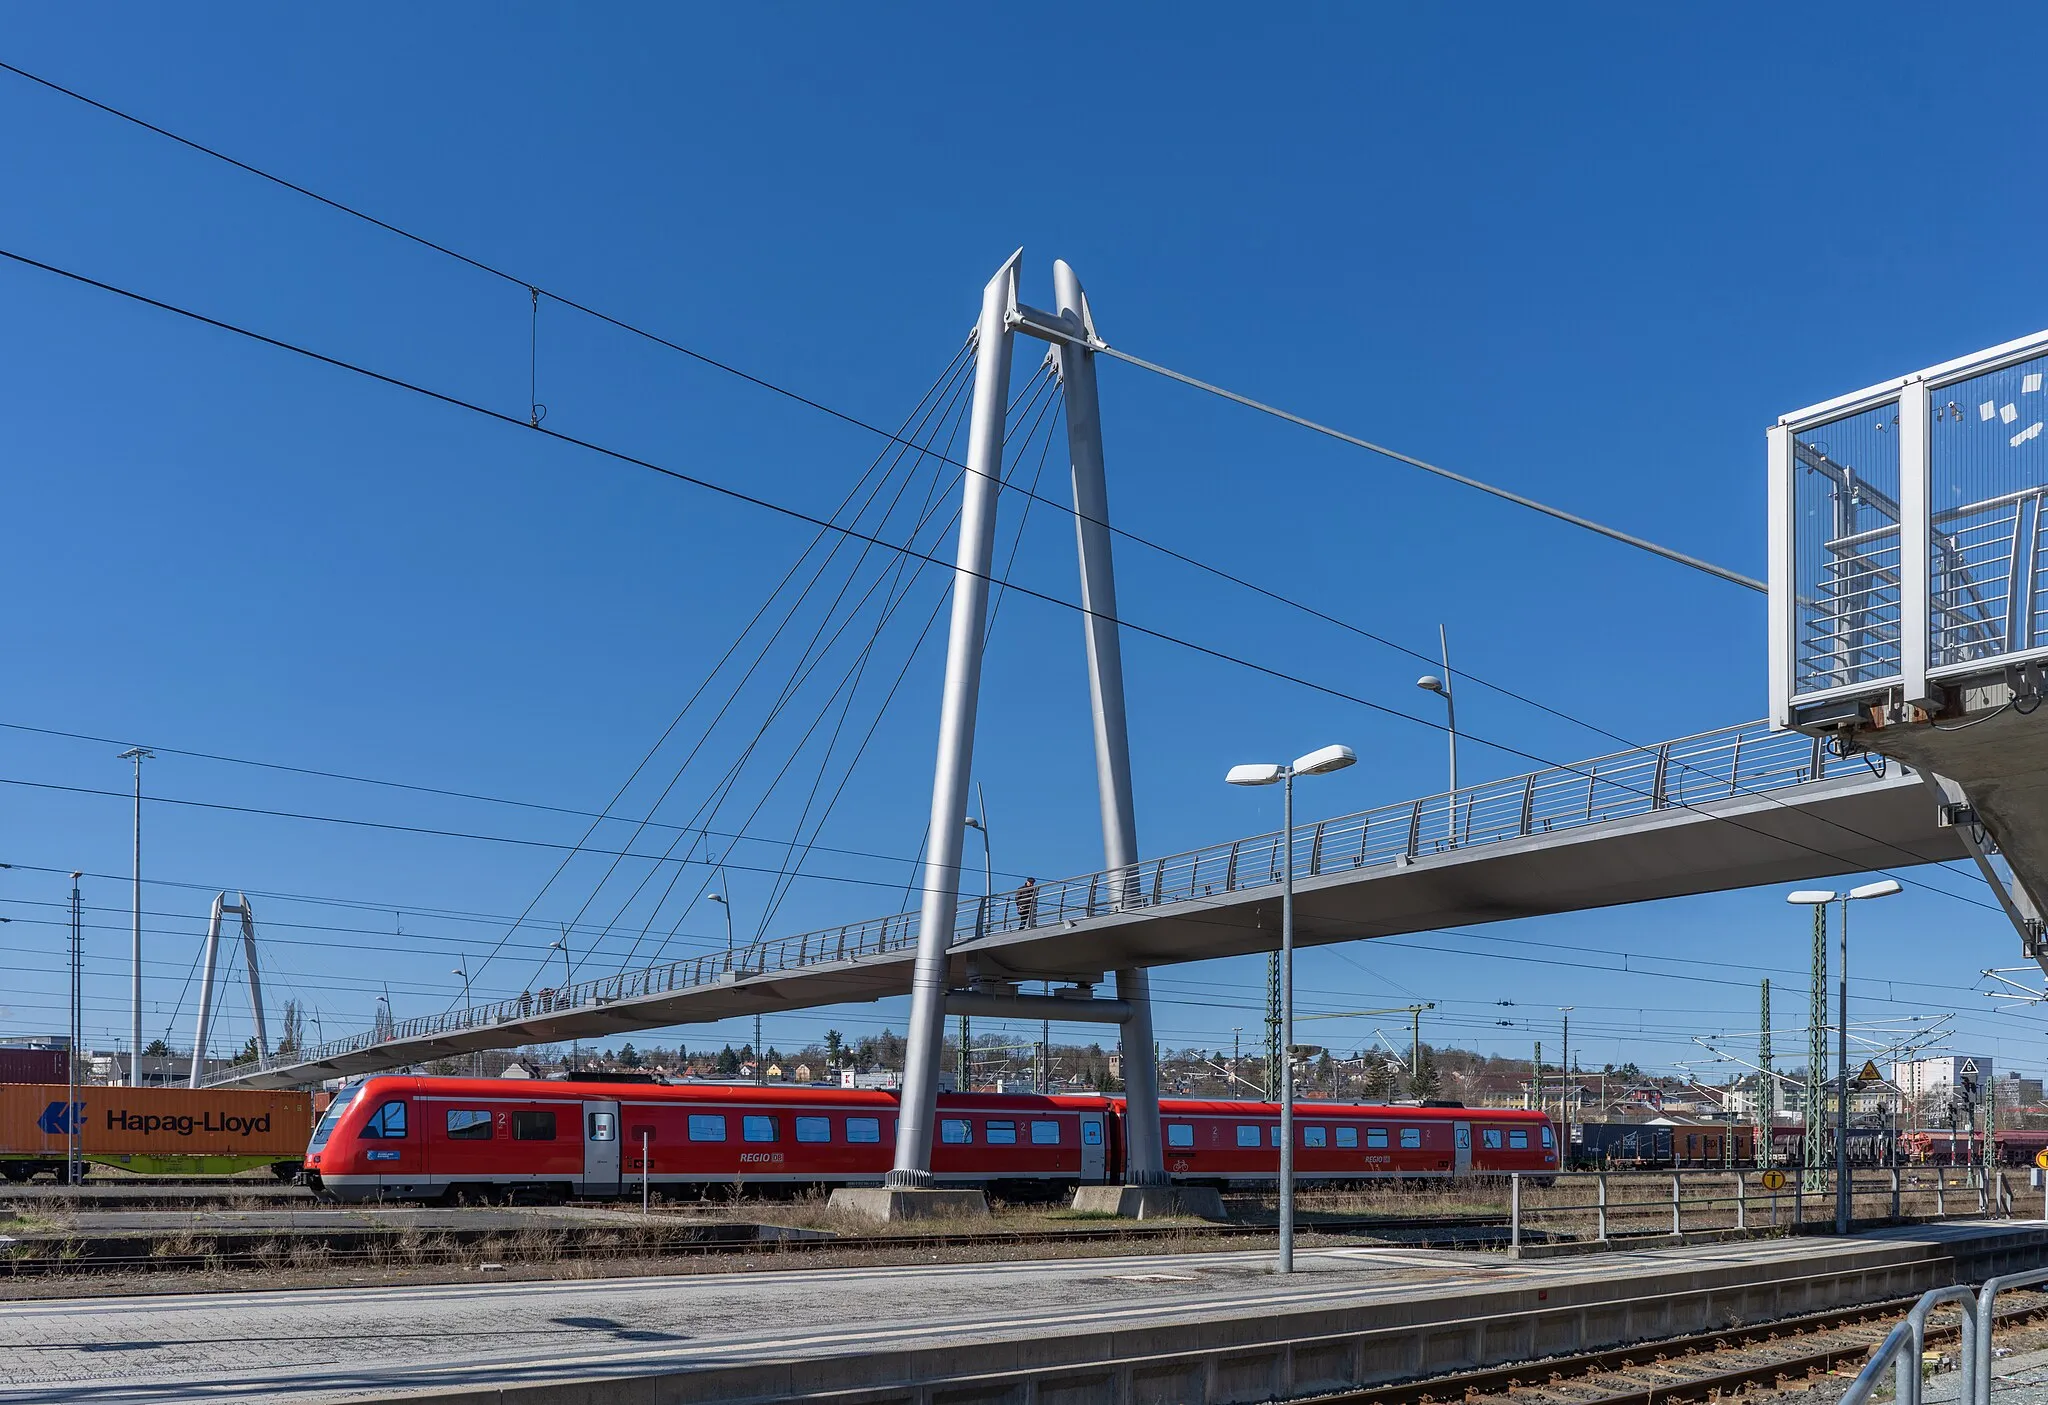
[(344, 1344)]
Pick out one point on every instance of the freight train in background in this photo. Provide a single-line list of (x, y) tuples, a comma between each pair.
[(414, 1138), (152, 1131), (1659, 1147)]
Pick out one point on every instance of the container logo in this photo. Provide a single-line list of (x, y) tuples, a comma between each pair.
[(61, 1119), (184, 1125)]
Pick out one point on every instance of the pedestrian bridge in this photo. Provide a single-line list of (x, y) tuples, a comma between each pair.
[(1736, 808)]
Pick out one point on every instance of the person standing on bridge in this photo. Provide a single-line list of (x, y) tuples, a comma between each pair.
[(1027, 903)]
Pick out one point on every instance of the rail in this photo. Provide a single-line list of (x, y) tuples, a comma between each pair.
[(1904, 1347), (1690, 771)]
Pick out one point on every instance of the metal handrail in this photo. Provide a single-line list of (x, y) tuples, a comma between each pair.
[(1904, 1346), (1751, 758), (1980, 1360)]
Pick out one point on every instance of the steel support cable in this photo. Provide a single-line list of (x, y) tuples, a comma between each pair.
[(929, 507), (890, 608), (1572, 518), (798, 514), (794, 860), (710, 805), (762, 654), (951, 373)]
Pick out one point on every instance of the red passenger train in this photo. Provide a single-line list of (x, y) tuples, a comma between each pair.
[(413, 1138)]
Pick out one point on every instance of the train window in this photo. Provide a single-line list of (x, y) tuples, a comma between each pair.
[(469, 1125), (1001, 1133), (956, 1130), (1518, 1139), (814, 1129), (387, 1121), (1315, 1136), (759, 1129), (1180, 1134), (863, 1129), (1045, 1134), (707, 1126), (1489, 1137), (1273, 1135), (1247, 1136), (1347, 1136), (332, 1116), (1375, 1136), (1546, 1136), (1411, 1136), (1091, 1132), (533, 1126), (604, 1126)]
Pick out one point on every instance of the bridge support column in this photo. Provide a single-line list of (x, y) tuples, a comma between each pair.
[(939, 908), (1144, 1164)]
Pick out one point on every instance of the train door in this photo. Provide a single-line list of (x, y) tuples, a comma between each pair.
[(1462, 1137), (1092, 1149), (601, 1148)]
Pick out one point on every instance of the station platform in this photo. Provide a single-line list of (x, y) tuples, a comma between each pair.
[(1209, 1327)]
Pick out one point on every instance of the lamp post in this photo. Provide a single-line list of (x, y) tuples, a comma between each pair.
[(1431, 683), (1316, 763), (988, 895), (1820, 897), (562, 945), (476, 1056), (1564, 1086), (760, 1055), (137, 754)]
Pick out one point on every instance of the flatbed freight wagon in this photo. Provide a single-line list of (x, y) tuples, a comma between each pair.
[(152, 1131)]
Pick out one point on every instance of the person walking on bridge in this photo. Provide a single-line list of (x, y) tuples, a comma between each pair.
[(1027, 903)]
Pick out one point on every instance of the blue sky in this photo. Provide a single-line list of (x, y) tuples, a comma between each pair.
[(1586, 256)]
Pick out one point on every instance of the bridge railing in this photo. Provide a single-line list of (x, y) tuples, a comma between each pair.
[(1690, 771)]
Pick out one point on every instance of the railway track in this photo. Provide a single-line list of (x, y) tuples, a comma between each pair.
[(228, 1248), (1704, 1366)]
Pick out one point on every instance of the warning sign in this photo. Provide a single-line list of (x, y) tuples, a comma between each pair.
[(1868, 1073), (1775, 1180), (1969, 1068)]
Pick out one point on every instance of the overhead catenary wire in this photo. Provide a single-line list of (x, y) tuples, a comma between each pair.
[(798, 514), (867, 426), (535, 292)]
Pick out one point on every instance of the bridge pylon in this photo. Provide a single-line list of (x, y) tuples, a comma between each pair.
[(909, 1189)]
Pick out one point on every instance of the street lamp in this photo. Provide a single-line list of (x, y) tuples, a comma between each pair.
[(1564, 1082), (137, 754), (1431, 683), (476, 1066), (1821, 897), (760, 1057), (1316, 763)]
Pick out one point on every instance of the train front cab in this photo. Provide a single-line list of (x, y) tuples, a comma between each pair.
[(393, 1138)]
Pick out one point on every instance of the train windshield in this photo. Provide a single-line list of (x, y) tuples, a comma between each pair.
[(333, 1115)]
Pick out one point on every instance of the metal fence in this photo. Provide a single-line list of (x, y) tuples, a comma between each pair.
[(1710, 766), (1611, 1205)]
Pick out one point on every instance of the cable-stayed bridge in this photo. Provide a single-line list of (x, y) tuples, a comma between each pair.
[(1706, 813)]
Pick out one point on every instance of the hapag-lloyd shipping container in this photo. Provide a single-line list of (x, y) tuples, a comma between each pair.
[(159, 1131)]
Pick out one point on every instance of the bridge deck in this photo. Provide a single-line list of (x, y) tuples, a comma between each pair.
[(1726, 810)]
